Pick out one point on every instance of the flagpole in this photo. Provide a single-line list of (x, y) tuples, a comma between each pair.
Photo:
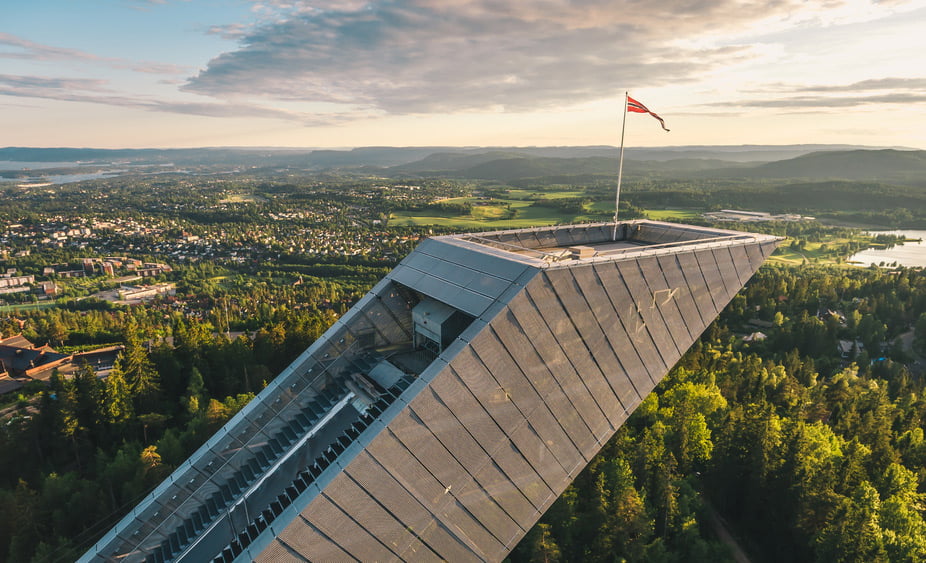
[(620, 168)]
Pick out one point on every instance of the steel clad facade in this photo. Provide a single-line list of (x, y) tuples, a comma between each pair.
[(475, 441)]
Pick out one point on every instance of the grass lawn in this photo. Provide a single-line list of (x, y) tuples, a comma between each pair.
[(27, 307), (243, 198), (676, 214), (494, 216), (813, 253), (518, 193)]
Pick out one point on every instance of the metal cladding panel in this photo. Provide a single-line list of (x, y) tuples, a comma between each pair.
[(634, 324), (380, 484), (713, 278), (683, 293), (471, 521), (414, 435), (728, 273), (631, 291), (497, 445), (643, 298), (527, 240), (570, 305), (392, 454), (755, 255), (563, 237), (767, 248), (303, 538), (546, 238), (664, 299), (698, 285), (484, 388), (728, 265), (741, 261), (599, 232), (277, 552), (651, 234), (578, 374), (344, 531), (568, 410), (619, 359), (494, 511), (455, 253), (355, 502), (663, 233), (515, 387)]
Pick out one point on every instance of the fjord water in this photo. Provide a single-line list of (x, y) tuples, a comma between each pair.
[(908, 254)]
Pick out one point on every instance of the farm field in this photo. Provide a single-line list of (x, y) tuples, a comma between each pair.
[(496, 214)]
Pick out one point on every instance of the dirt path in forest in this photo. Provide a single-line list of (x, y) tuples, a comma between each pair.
[(723, 533)]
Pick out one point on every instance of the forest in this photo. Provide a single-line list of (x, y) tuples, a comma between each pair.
[(800, 454), (804, 444)]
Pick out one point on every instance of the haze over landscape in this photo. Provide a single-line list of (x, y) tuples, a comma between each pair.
[(346, 73)]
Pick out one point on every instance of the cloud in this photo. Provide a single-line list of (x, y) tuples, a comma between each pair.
[(96, 92), (874, 91), (420, 56), (9, 82), (868, 85), (427, 56), (834, 102), (23, 49)]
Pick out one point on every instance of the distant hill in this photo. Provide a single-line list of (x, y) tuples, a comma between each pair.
[(443, 162), (805, 162), (504, 166), (735, 153), (394, 156), (883, 165)]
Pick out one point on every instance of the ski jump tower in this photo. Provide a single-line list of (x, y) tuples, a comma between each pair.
[(445, 412)]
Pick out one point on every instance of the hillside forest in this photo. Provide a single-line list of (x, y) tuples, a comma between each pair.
[(805, 455)]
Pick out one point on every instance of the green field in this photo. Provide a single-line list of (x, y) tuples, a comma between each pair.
[(812, 253), (521, 194), (243, 198), (26, 307), (494, 216), (673, 214)]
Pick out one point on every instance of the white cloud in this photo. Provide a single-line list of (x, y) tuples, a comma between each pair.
[(15, 47), (438, 56)]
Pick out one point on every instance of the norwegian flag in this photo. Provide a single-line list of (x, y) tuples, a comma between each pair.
[(636, 107)]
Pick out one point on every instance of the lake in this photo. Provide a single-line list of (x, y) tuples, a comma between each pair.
[(100, 170), (909, 254)]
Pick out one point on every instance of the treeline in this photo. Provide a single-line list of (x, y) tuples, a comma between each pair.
[(79, 454), (804, 455)]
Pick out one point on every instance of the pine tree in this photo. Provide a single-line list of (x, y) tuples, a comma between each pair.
[(140, 373), (118, 407)]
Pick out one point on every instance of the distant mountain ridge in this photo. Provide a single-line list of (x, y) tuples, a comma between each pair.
[(886, 164), (807, 162), (394, 156)]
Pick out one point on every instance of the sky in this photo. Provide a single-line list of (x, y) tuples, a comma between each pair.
[(348, 73)]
